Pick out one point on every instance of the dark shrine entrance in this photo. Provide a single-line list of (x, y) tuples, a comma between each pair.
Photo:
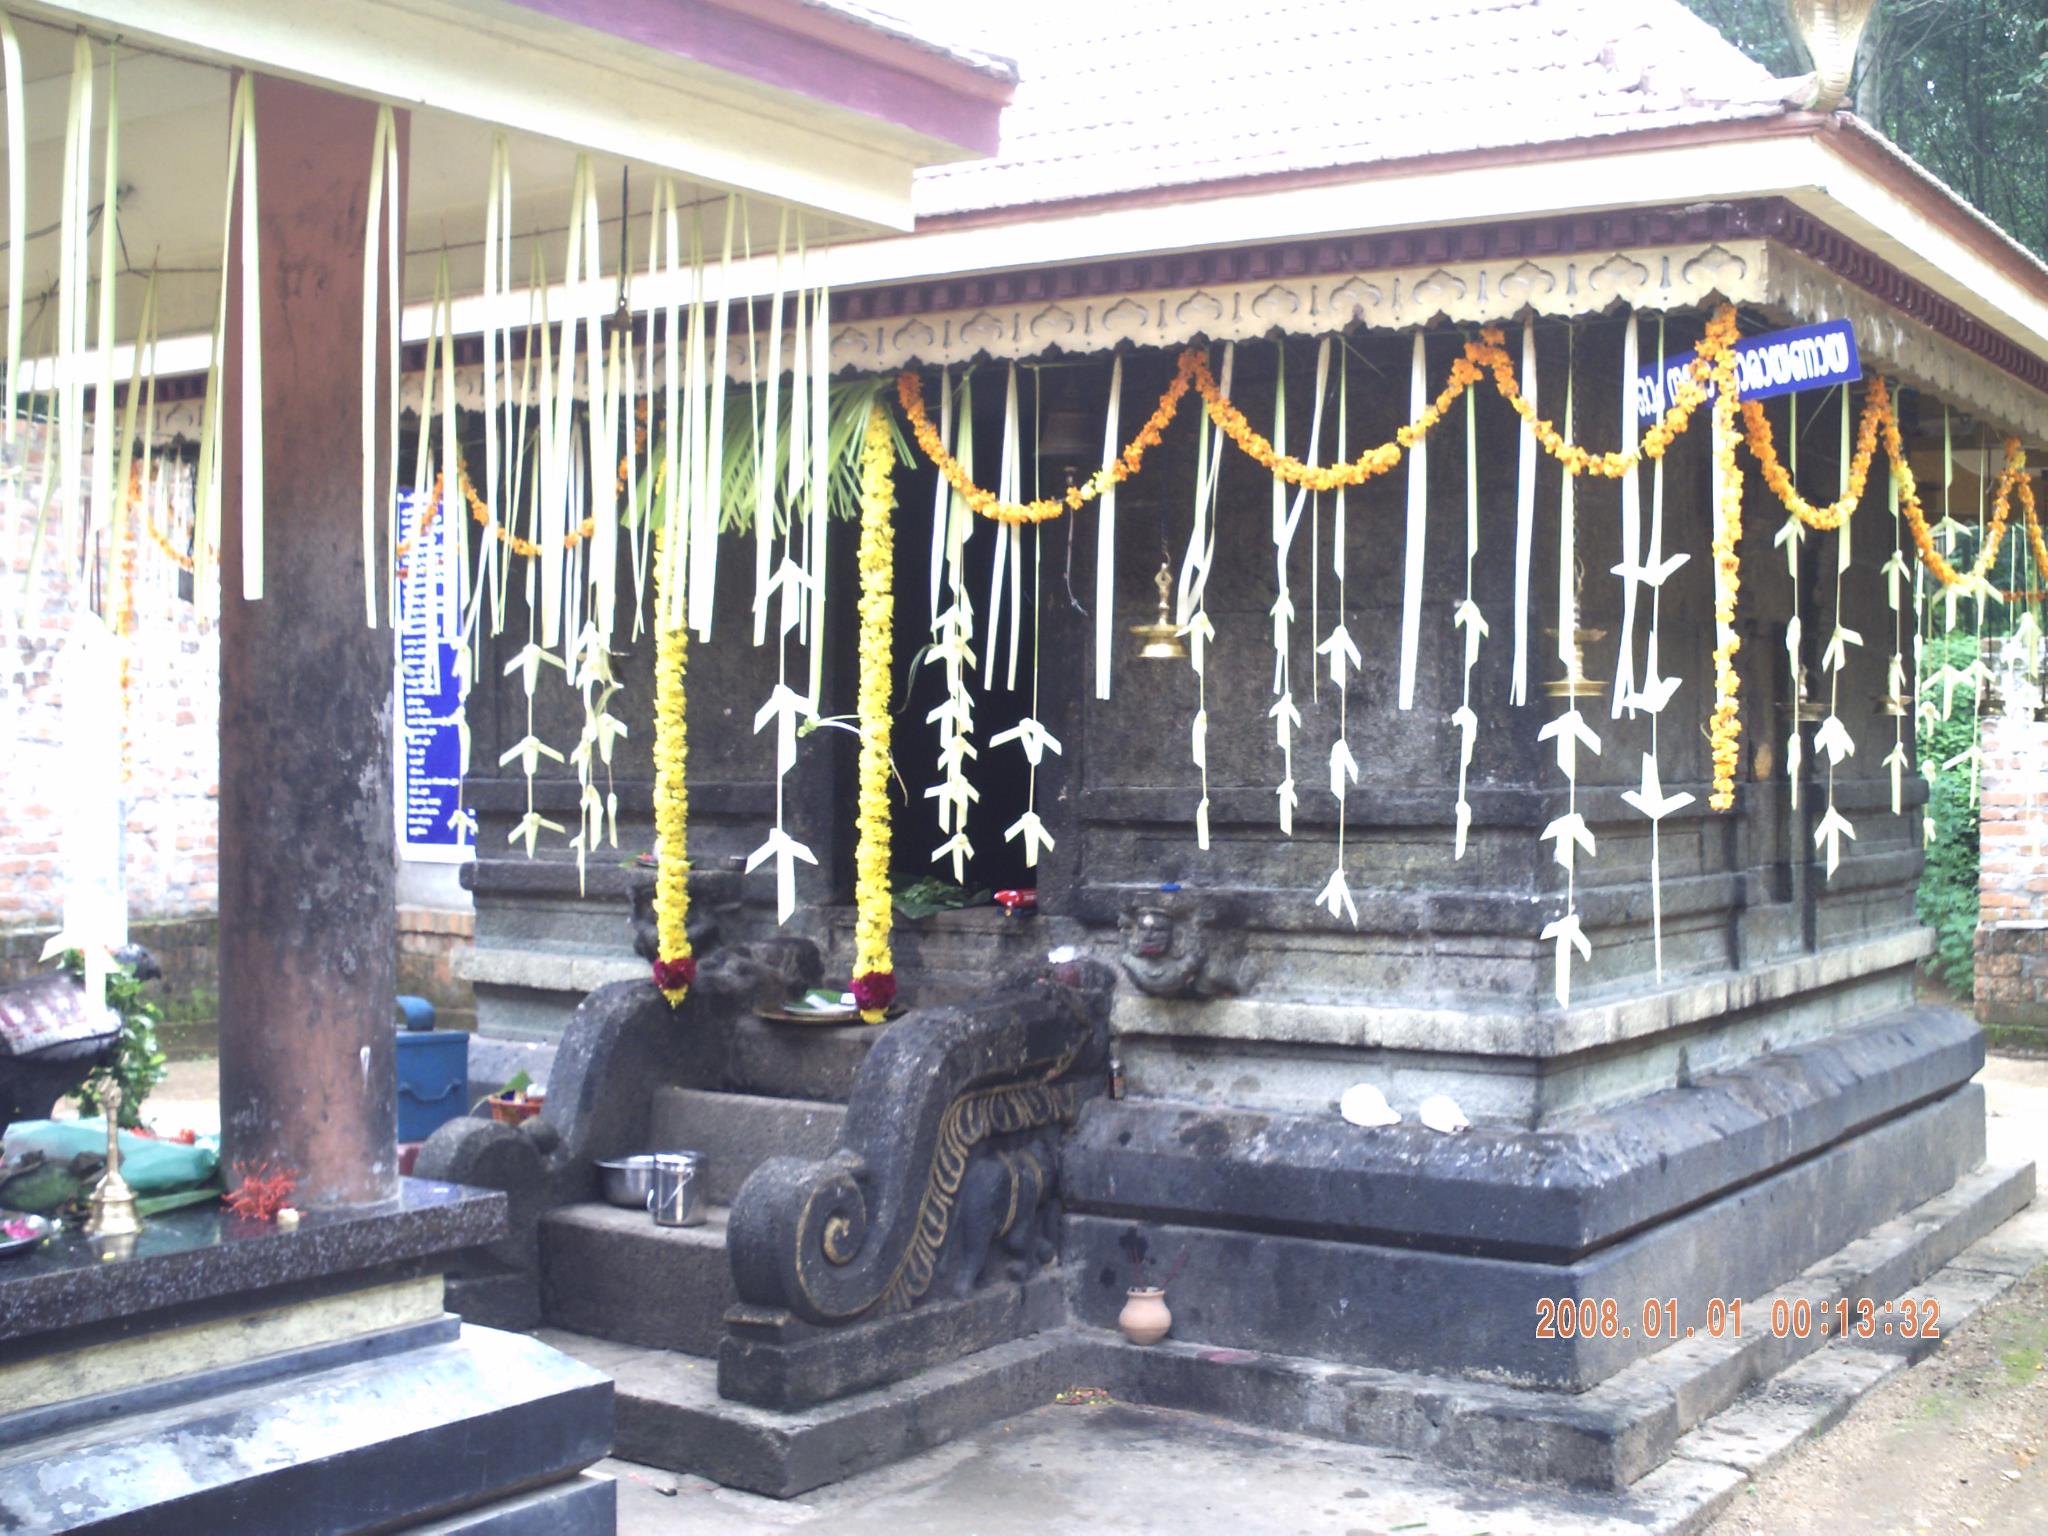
[(1059, 430)]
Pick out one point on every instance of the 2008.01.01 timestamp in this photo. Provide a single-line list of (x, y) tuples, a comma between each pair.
[(1562, 1317)]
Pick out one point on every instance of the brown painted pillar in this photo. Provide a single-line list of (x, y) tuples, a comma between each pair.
[(308, 934)]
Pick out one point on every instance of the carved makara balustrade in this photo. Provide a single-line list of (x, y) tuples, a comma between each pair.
[(945, 1174)]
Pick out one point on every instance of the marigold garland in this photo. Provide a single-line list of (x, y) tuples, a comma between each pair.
[(910, 392), (1377, 460), (2012, 477), (1724, 730), (1713, 358), (874, 970), (675, 968), (525, 548), (1764, 449), (1488, 353)]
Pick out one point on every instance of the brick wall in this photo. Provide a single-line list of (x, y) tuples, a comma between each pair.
[(428, 940), (2012, 929), (174, 764)]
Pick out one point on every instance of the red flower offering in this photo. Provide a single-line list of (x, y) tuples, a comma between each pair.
[(676, 975), (874, 991)]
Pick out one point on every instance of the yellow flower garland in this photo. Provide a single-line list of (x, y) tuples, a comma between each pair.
[(874, 970), (1724, 731), (675, 968)]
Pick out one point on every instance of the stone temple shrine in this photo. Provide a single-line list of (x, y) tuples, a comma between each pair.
[(1669, 983), (1288, 676)]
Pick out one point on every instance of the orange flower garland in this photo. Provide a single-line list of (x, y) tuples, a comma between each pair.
[(1716, 348), (1487, 353), (1762, 448), (1724, 730), (910, 392), (2013, 475), (1376, 460)]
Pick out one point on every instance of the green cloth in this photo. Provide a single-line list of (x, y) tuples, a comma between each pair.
[(150, 1167)]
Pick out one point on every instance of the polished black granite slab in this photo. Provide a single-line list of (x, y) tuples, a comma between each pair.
[(207, 1254)]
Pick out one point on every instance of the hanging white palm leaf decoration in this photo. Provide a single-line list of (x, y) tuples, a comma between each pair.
[(1525, 518), (1832, 740), (1418, 528), (1468, 618), (1653, 693), (1568, 833), (1631, 570), (953, 649)]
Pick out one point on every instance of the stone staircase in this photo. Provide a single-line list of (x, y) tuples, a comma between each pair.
[(646, 1304), (612, 1274)]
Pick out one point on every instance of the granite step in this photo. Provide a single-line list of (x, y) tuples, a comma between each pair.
[(376, 1444), (670, 1414), (611, 1273), (736, 1132), (1614, 1433), (780, 1060), (1702, 1400)]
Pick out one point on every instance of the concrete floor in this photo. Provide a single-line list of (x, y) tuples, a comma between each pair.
[(1122, 1471)]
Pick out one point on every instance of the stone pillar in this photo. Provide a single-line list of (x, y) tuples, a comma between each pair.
[(2012, 877), (307, 927)]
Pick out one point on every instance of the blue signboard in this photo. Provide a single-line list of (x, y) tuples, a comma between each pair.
[(1778, 363), (431, 745)]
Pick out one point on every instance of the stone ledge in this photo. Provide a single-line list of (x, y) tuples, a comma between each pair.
[(1546, 1195), (1543, 1032), (1626, 1434), (204, 1255), (1452, 1313), (539, 970), (1615, 1433), (371, 1445)]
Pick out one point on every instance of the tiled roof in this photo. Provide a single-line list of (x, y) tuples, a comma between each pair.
[(938, 33), (1129, 95)]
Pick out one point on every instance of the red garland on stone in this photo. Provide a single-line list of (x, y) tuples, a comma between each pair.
[(261, 1191), (874, 991), (676, 975)]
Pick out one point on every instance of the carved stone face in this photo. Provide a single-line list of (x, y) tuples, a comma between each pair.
[(1150, 934)]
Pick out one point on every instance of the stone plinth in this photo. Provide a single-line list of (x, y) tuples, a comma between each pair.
[(215, 1373)]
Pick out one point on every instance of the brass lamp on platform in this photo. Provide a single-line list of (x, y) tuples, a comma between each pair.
[(112, 1204), (1575, 684), (1160, 640), (1807, 710)]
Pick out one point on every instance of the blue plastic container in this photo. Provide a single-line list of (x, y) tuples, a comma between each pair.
[(433, 1080)]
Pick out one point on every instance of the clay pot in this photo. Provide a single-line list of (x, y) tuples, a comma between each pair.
[(1144, 1318)]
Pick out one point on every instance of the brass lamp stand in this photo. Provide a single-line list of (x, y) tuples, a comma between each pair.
[(112, 1202)]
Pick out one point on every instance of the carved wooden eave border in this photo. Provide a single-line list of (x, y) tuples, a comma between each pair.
[(1756, 272), (1664, 277), (1903, 347), (1766, 254)]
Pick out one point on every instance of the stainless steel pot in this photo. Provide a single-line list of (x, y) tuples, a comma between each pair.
[(627, 1181), (677, 1198)]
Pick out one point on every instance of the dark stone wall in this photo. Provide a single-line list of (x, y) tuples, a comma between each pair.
[(1738, 888)]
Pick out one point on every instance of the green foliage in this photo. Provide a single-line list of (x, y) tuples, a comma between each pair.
[(139, 1063), (1960, 85), (1947, 898), (846, 416), (931, 894)]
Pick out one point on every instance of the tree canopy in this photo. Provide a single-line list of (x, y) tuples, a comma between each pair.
[(1960, 85)]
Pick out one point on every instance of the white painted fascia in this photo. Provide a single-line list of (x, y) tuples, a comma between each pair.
[(1847, 197), (499, 64)]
